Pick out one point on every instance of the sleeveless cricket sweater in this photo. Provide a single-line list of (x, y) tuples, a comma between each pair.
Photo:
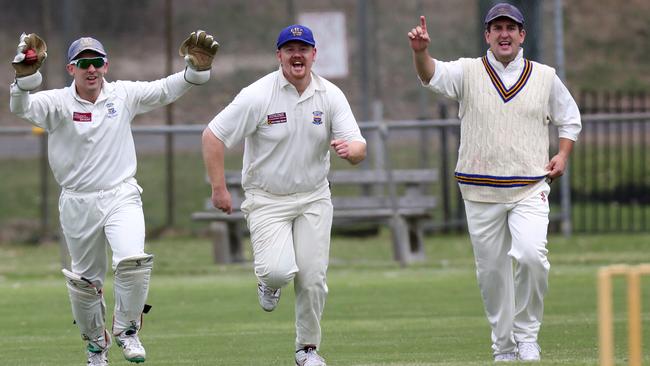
[(504, 144)]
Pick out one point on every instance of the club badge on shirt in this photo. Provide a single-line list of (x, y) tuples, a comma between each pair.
[(111, 112), (318, 117), (276, 118), (82, 116)]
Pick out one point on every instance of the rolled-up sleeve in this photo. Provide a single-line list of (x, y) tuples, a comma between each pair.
[(564, 111), (447, 79)]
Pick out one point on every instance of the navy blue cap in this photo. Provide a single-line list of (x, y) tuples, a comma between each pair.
[(85, 44), (296, 32), (504, 10)]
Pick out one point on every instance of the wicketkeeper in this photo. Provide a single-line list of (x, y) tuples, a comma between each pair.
[(92, 156)]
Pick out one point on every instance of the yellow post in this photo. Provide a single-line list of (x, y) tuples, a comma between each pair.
[(634, 315), (605, 320)]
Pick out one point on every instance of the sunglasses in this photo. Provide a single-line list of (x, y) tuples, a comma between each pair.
[(84, 63)]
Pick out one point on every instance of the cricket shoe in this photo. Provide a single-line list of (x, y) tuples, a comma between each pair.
[(268, 297), (529, 351), (309, 357), (130, 344), (97, 355), (505, 357)]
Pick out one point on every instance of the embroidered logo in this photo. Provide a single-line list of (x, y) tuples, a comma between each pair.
[(296, 31), (82, 117), (543, 197), (111, 111), (276, 118), (318, 118)]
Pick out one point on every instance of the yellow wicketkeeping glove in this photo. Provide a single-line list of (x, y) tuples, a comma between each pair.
[(28, 63), (199, 50)]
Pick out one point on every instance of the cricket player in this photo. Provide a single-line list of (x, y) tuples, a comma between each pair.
[(506, 103), (289, 119), (92, 155)]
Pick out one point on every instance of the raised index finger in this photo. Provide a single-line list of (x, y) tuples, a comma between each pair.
[(423, 23)]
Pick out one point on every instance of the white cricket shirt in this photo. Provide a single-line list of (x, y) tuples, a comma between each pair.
[(563, 110), (287, 135), (90, 145)]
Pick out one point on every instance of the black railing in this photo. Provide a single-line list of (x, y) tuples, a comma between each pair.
[(610, 176)]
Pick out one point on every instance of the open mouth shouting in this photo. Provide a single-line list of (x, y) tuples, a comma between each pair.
[(505, 45), (297, 66)]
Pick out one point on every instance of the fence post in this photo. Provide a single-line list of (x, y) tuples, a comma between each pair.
[(169, 116), (444, 167)]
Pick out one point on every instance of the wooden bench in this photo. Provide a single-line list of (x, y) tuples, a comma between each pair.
[(397, 198)]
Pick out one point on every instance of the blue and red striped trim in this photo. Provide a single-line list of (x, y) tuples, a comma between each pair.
[(496, 181), (505, 93)]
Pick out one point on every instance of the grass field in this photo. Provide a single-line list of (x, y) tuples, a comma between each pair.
[(376, 313)]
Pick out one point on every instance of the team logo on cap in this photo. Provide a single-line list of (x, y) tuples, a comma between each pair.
[(318, 117), (86, 41), (296, 31)]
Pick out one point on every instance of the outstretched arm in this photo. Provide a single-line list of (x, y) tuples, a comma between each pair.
[(198, 50), (419, 39)]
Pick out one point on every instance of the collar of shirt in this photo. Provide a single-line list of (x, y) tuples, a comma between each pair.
[(316, 84), (510, 73), (107, 88)]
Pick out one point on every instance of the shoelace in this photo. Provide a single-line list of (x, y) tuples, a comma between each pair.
[(311, 353), (130, 342), (269, 291), (527, 347)]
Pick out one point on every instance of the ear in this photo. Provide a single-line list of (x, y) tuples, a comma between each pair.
[(277, 54), (314, 51), (70, 69), (523, 35), (487, 34)]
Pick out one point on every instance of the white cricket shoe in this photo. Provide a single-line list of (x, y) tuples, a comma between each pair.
[(308, 357), (268, 297), (529, 351), (505, 357), (97, 355), (130, 344)]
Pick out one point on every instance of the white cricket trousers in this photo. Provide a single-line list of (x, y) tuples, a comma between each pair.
[(91, 220), (501, 233), (290, 235)]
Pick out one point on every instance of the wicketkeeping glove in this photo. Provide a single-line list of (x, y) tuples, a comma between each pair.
[(199, 50), (26, 42)]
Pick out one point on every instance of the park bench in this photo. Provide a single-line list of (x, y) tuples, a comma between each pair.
[(397, 198)]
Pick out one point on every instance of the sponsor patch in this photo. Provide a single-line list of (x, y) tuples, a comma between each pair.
[(318, 117), (82, 116), (275, 118)]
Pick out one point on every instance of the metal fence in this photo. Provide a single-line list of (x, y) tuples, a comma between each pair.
[(609, 178)]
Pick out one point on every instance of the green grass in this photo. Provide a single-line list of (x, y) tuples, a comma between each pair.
[(376, 314)]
